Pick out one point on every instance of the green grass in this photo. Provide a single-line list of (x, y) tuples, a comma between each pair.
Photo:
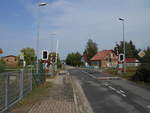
[(37, 94), (143, 83), (127, 75), (4, 68), (129, 72)]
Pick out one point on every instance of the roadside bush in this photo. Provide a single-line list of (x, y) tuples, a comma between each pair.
[(142, 73), (2, 66)]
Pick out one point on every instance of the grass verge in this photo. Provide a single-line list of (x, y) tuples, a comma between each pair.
[(38, 94), (127, 76)]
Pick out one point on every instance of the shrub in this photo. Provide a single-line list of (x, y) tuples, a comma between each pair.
[(2, 66), (142, 73)]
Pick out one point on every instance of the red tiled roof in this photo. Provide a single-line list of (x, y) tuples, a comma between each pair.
[(101, 55), (9, 56), (131, 60)]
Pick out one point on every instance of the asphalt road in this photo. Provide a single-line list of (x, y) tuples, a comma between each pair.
[(112, 96)]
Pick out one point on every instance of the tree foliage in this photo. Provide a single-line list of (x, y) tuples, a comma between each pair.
[(29, 55), (1, 51), (2, 65), (142, 73), (146, 58), (90, 50), (74, 59), (130, 49)]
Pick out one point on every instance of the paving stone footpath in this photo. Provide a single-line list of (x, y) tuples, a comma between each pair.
[(59, 100), (65, 96)]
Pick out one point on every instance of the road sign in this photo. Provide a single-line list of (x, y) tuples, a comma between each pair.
[(141, 53)]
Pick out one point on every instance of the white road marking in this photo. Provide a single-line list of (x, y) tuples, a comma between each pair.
[(122, 91), (118, 92), (112, 88), (123, 95), (148, 107), (106, 84), (89, 74)]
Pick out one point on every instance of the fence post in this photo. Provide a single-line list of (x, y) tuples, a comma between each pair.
[(6, 90), (31, 79), (21, 84)]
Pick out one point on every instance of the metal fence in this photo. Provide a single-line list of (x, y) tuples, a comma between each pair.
[(13, 87)]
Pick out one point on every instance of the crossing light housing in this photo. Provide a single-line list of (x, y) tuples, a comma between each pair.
[(121, 57), (44, 55)]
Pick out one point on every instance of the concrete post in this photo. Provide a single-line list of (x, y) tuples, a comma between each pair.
[(31, 79), (21, 83), (6, 90)]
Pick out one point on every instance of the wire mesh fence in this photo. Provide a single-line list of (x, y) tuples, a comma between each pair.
[(14, 86)]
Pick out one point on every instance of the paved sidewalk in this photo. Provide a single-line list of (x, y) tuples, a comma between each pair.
[(59, 100)]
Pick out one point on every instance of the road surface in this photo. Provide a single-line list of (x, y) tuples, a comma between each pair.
[(112, 96)]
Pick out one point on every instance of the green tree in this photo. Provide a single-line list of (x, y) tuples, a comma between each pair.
[(130, 49), (1, 51), (143, 71), (2, 65), (74, 59), (90, 50), (146, 58), (29, 55)]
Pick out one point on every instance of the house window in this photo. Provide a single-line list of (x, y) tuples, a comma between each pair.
[(110, 60), (7, 60)]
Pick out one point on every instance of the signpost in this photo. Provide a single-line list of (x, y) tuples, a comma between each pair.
[(121, 60)]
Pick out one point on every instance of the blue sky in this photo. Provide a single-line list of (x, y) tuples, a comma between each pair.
[(73, 22)]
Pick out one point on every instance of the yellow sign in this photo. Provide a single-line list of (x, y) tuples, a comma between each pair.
[(141, 53)]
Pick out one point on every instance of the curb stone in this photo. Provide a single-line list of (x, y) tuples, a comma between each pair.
[(81, 102)]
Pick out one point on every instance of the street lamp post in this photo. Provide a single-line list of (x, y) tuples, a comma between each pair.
[(124, 47), (38, 36)]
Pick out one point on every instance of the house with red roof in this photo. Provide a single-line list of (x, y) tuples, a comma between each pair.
[(11, 60), (104, 59), (132, 62)]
